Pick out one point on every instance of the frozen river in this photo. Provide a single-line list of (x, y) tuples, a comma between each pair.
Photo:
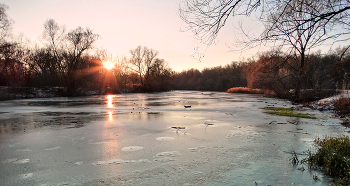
[(131, 139)]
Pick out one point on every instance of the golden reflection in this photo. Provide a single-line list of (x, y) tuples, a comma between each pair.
[(110, 101), (109, 137), (110, 116)]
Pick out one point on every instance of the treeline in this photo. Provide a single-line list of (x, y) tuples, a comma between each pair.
[(212, 79), (69, 63), (320, 76)]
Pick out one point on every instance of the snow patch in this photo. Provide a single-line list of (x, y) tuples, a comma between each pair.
[(165, 138), (120, 161), (132, 148), (22, 161), (53, 148)]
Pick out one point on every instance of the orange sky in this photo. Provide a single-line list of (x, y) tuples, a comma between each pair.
[(123, 25)]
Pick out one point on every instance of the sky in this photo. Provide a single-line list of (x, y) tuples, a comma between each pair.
[(125, 24)]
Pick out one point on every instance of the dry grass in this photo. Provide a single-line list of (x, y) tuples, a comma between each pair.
[(245, 90), (333, 158), (287, 112)]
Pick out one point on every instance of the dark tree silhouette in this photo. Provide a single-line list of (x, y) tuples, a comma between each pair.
[(142, 59), (79, 41)]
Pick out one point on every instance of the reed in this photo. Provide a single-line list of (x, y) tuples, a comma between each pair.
[(332, 156)]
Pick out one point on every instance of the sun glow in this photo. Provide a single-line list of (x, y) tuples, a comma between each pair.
[(108, 65)]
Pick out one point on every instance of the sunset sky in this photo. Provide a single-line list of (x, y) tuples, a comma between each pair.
[(123, 25)]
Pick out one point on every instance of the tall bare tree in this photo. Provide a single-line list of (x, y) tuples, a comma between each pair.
[(55, 35), (142, 59), (288, 29), (5, 23), (205, 18), (79, 41), (295, 26)]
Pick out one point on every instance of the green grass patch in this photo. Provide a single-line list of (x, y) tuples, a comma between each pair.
[(280, 111), (333, 158)]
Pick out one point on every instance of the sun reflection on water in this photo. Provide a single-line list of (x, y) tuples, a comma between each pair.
[(110, 116), (110, 101)]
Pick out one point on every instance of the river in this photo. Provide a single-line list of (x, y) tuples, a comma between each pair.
[(170, 138)]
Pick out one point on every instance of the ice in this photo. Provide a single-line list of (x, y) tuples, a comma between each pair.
[(21, 161), (10, 160), (53, 148), (98, 143), (114, 161), (24, 150), (226, 140), (78, 163), (132, 148), (28, 175), (120, 161), (165, 138), (168, 154)]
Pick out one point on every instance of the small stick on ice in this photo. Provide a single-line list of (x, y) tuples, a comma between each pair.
[(178, 128), (207, 124)]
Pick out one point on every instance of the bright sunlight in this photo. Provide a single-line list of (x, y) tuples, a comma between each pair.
[(108, 65)]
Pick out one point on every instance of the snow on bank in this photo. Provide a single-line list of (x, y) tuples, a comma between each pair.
[(327, 104)]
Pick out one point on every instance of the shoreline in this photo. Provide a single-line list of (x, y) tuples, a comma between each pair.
[(13, 93), (327, 105)]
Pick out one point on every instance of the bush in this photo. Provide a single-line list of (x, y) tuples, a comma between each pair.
[(310, 95), (342, 106)]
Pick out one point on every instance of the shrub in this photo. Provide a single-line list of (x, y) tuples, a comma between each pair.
[(342, 106), (310, 95)]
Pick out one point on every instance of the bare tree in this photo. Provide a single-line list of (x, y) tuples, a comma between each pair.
[(5, 24), (141, 59), (205, 18), (287, 28), (294, 26), (55, 35), (79, 41)]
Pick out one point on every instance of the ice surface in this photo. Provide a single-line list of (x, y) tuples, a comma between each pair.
[(53, 148), (225, 139), (165, 138), (132, 148)]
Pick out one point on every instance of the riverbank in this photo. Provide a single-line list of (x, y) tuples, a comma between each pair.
[(329, 105), (9, 93)]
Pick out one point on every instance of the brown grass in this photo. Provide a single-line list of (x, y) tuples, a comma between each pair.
[(247, 90), (342, 106)]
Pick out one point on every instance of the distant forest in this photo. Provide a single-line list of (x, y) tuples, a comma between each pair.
[(68, 62)]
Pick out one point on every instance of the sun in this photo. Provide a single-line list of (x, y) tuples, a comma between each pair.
[(108, 65)]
